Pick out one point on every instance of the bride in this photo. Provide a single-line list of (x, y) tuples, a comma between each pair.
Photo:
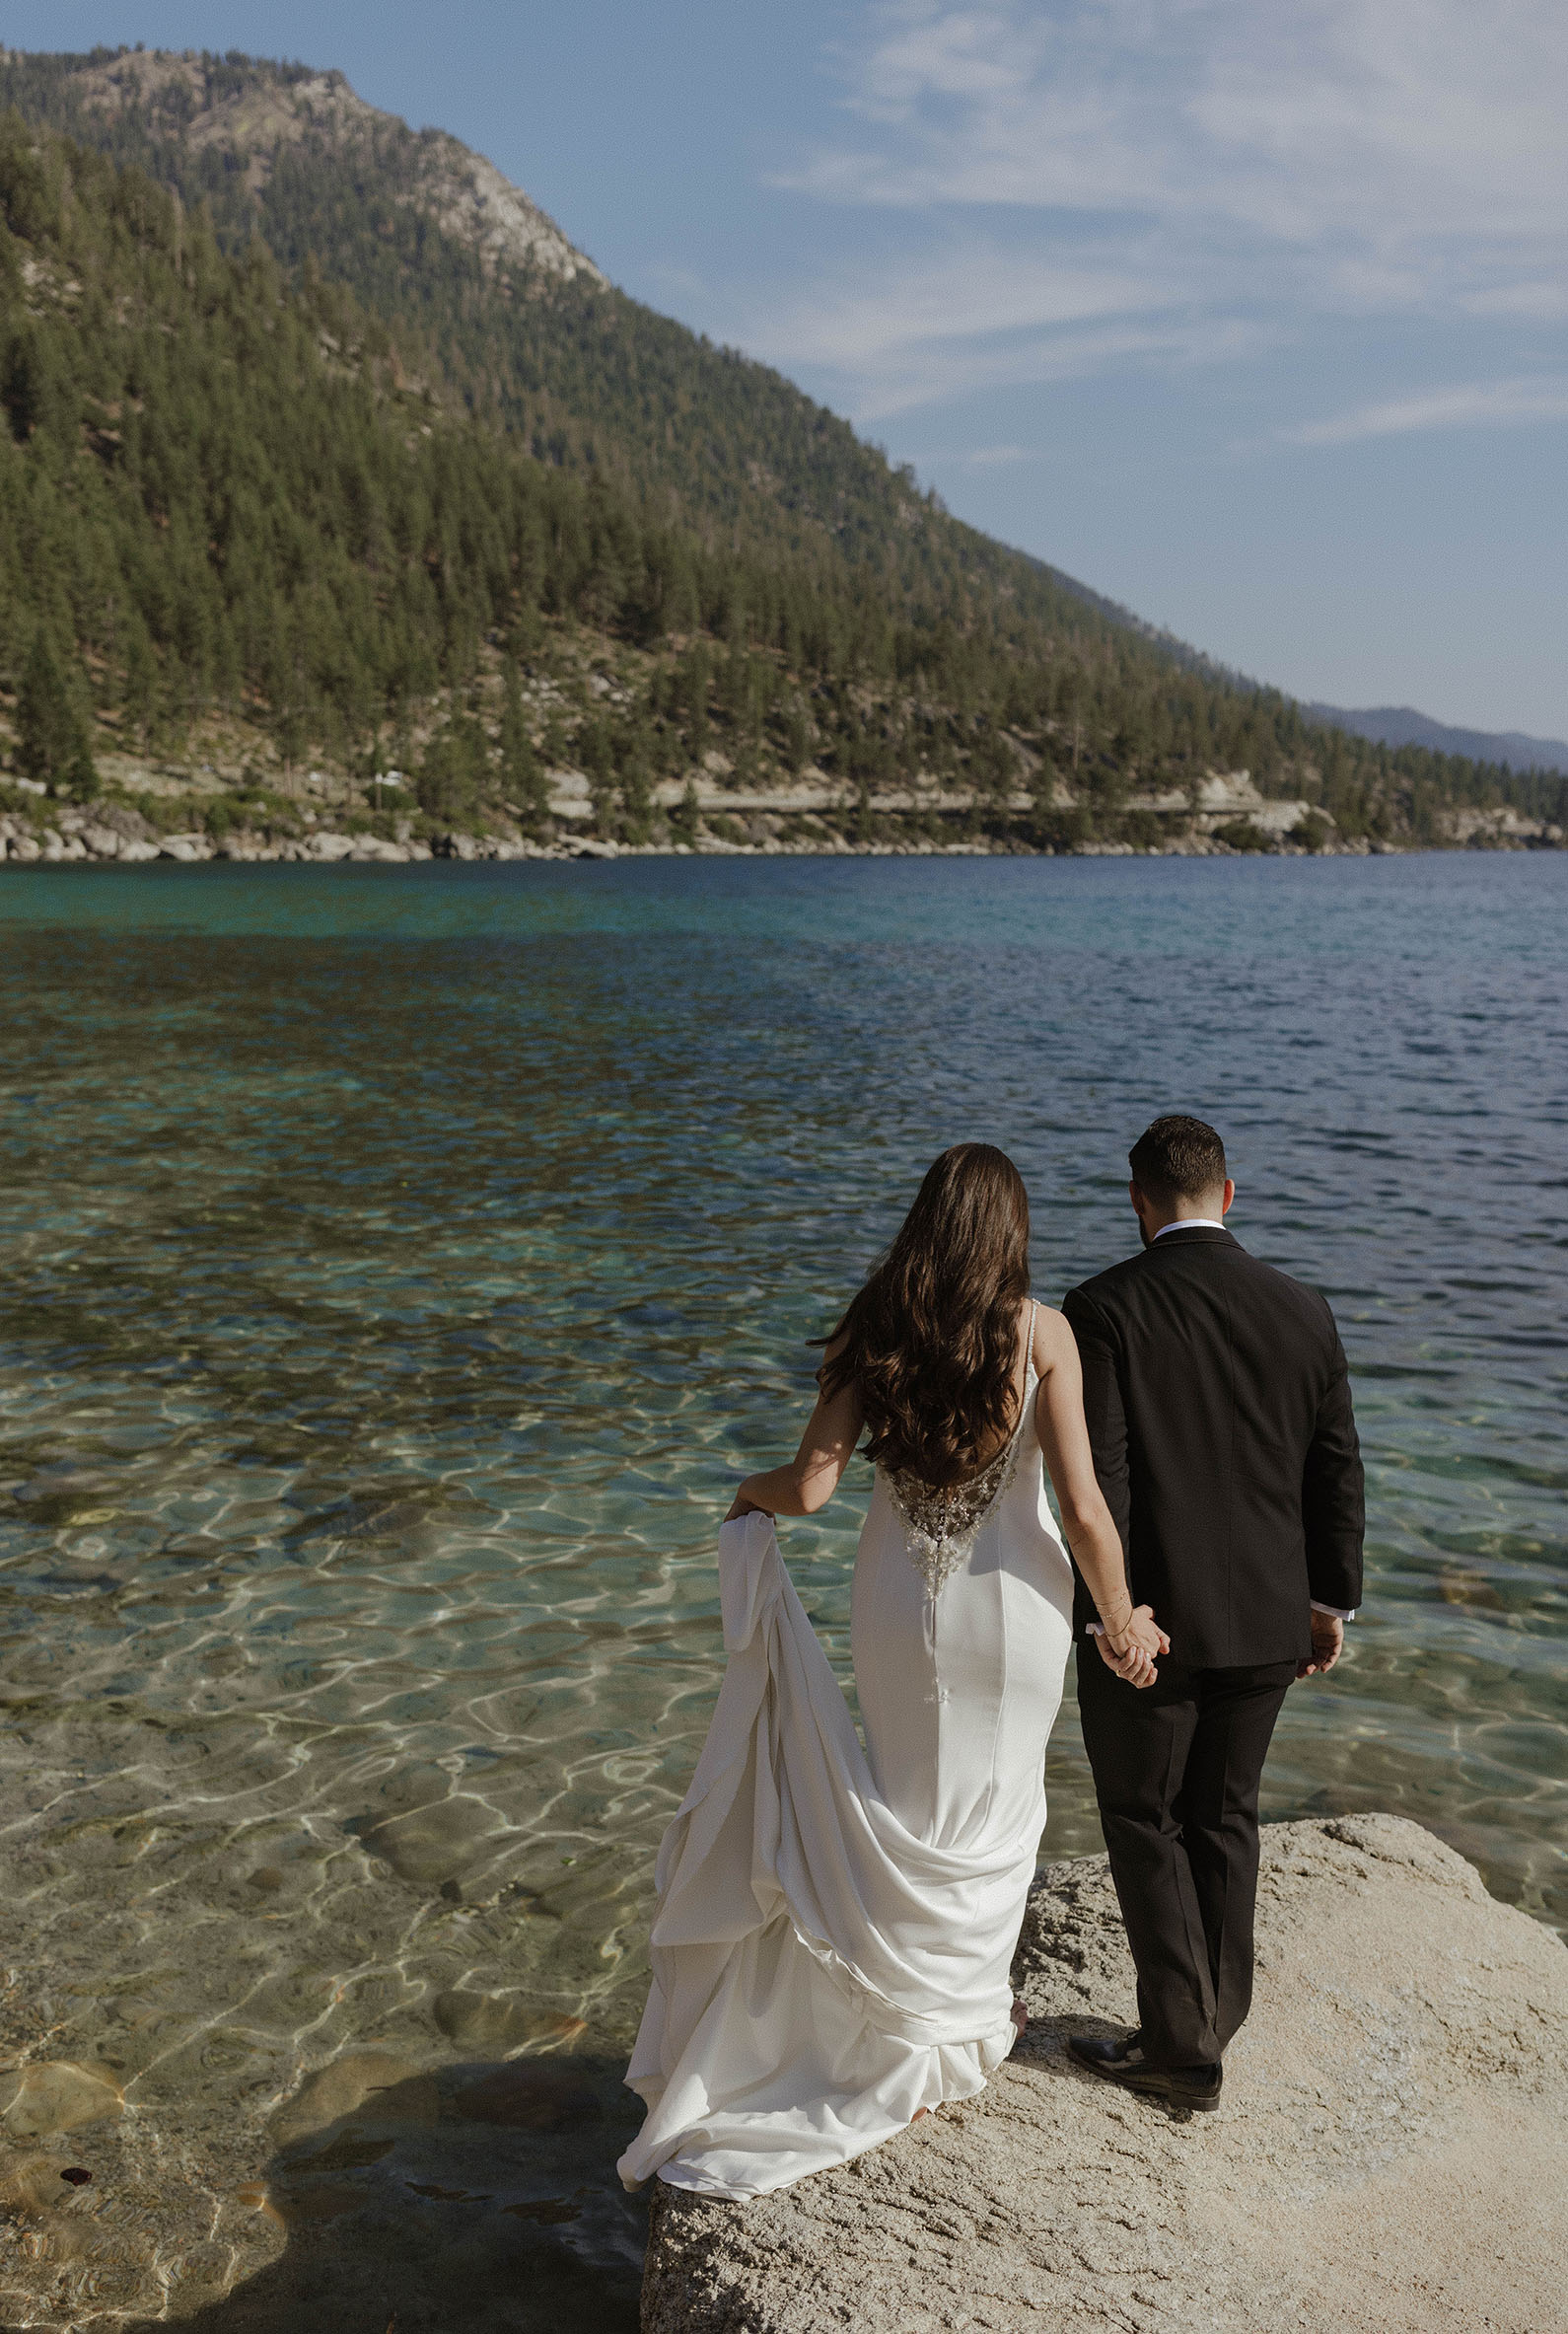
[(834, 1925)]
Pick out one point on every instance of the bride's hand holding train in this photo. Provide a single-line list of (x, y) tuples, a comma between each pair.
[(809, 1480)]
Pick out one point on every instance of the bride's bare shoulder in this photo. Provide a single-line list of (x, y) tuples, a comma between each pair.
[(1053, 1337)]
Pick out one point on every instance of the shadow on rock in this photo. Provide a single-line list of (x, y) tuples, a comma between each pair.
[(1045, 2046), (478, 2196), (1043, 2050)]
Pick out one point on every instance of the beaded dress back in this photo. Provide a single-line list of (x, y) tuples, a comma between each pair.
[(941, 1525)]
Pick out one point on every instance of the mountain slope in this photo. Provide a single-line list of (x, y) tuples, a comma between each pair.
[(1402, 725), (432, 237), (529, 332), (541, 486)]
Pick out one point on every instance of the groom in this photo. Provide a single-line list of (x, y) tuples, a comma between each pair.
[(1220, 1415)]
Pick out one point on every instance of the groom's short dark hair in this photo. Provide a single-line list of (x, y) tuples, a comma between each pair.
[(1178, 1158)]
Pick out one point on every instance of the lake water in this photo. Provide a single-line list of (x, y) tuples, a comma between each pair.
[(401, 1266)]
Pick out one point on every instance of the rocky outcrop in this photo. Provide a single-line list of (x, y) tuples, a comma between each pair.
[(467, 196), (1389, 2154)]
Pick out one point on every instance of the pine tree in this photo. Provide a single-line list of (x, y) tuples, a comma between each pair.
[(697, 703), (522, 777), (53, 746), (797, 738), (452, 775), (637, 794), (686, 815), (598, 758)]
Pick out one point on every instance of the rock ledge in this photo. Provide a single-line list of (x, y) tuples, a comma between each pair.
[(1390, 2154)]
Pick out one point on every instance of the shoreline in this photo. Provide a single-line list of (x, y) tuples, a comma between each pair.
[(138, 817), (71, 848)]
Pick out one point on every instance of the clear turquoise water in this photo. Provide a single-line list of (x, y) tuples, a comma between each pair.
[(402, 1264)]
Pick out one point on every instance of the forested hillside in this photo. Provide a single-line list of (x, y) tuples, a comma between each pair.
[(247, 516), (582, 375)]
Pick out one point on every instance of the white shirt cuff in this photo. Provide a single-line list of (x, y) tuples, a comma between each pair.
[(1097, 1629)]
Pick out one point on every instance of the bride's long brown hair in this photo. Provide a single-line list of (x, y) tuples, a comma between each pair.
[(931, 1341)]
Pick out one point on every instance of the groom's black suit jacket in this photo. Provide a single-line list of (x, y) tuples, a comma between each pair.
[(1219, 1412)]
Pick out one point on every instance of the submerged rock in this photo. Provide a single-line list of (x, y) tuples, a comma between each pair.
[(1389, 2154), (337, 2090), (441, 1842), (495, 2022), (51, 2095)]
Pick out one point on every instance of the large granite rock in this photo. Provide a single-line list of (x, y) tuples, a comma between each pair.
[(120, 818), (1391, 2152)]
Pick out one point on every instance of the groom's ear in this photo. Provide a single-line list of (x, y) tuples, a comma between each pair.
[(1229, 1195)]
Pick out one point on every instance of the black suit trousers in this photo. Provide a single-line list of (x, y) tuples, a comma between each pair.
[(1176, 1768)]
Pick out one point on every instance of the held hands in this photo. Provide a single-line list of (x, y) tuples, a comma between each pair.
[(1328, 1643), (1131, 1650)]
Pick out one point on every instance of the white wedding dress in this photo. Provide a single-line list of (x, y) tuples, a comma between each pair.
[(834, 1925)]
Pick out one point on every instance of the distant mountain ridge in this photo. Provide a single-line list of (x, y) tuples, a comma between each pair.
[(1402, 725)]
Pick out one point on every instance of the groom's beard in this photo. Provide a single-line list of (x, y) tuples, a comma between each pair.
[(1144, 1233)]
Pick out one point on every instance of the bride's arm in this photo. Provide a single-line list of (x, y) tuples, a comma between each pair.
[(1086, 1521), (811, 1477)]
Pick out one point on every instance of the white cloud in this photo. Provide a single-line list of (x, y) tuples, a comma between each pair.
[(1151, 179), (978, 315), (1485, 402), (959, 293), (1382, 121), (994, 457), (885, 367)]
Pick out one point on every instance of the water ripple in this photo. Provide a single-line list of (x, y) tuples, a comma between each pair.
[(400, 1266)]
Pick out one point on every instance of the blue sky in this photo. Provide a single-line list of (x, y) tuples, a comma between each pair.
[(1252, 314)]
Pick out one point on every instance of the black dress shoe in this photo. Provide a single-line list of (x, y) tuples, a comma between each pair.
[(1124, 2062)]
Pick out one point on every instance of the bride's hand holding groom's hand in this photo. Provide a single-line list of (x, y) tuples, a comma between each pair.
[(1132, 1650)]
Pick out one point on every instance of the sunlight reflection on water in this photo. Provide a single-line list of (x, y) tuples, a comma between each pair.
[(402, 1264)]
